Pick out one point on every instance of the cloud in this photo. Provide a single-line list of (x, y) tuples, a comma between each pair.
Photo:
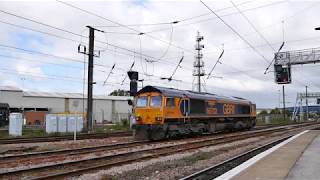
[(241, 68), (35, 73), (9, 83)]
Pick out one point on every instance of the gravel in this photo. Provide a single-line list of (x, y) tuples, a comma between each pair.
[(38, 162), (168, 167), (179, 165), (162, 167), (48, 146)]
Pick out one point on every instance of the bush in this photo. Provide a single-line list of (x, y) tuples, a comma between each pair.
[(264, 112), (125, 122)]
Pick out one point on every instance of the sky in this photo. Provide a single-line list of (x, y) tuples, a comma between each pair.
[(39, 45)]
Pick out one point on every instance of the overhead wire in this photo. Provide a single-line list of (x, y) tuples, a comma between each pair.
[(140, 48), (218, 61), (282, 21), (40, 76), (44, 24), (42, 53), (176, 21), (252, 25), (256, 30), (125, 77), (54, 35), (197, 16), (170, 41), (213, 18), (174, 71), (236, 32), (58, 78), (55, 56), (130, 28), (298, 40), (70, 32), (61, 37), (86, 37), (106, 80), (72, 40), (273, 43), (35, 30), (145, 24), (15, 58), (46, 54), (262, 45)]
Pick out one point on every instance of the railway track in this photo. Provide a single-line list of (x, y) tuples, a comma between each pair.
[(76, 167), (223, 167), (83, 136), (92, 149), (63, 138)]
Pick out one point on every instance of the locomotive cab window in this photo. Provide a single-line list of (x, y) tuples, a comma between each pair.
[(170, 102), (142, 101), (155, 101)]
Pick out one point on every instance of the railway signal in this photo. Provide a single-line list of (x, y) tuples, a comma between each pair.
[(133, 76), (282, 74), (284, 61)]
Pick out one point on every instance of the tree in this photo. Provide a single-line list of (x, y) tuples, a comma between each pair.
[(263, 112), (275, 111), (119, 92)]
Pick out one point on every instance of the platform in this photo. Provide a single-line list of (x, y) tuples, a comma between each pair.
[(296, 159)]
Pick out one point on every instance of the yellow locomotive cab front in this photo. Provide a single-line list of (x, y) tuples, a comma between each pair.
[(149, 109)]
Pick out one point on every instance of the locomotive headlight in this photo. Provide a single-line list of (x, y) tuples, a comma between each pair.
[(158, 118), (138, 118)]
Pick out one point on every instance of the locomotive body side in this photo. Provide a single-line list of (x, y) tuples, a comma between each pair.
[(164, 112)]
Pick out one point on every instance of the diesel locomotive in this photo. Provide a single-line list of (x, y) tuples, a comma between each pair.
[(161, 112)]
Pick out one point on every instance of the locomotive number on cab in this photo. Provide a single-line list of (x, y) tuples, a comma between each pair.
[(228, 109)]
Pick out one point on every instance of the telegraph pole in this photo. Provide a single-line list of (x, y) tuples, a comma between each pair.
[(198, 64), (90, 78), (307, 107), (91, 55), (284, 103)]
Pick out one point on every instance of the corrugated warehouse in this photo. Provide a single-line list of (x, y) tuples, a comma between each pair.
[(105, 108)]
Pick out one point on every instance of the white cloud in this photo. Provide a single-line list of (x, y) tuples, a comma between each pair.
[(35, 72), (300, 19)]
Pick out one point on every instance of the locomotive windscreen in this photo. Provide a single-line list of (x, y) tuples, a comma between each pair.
[(197, 106), (243, 109)]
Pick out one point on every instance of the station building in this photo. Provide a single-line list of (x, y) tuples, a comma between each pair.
[(35, 105)]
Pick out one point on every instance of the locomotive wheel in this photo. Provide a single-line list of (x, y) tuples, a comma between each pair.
[(157, 135), (140, 135)]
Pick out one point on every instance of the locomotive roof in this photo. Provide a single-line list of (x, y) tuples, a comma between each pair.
[(187, 93)]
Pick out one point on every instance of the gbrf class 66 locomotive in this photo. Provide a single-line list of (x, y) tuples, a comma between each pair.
[(166, 112)]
